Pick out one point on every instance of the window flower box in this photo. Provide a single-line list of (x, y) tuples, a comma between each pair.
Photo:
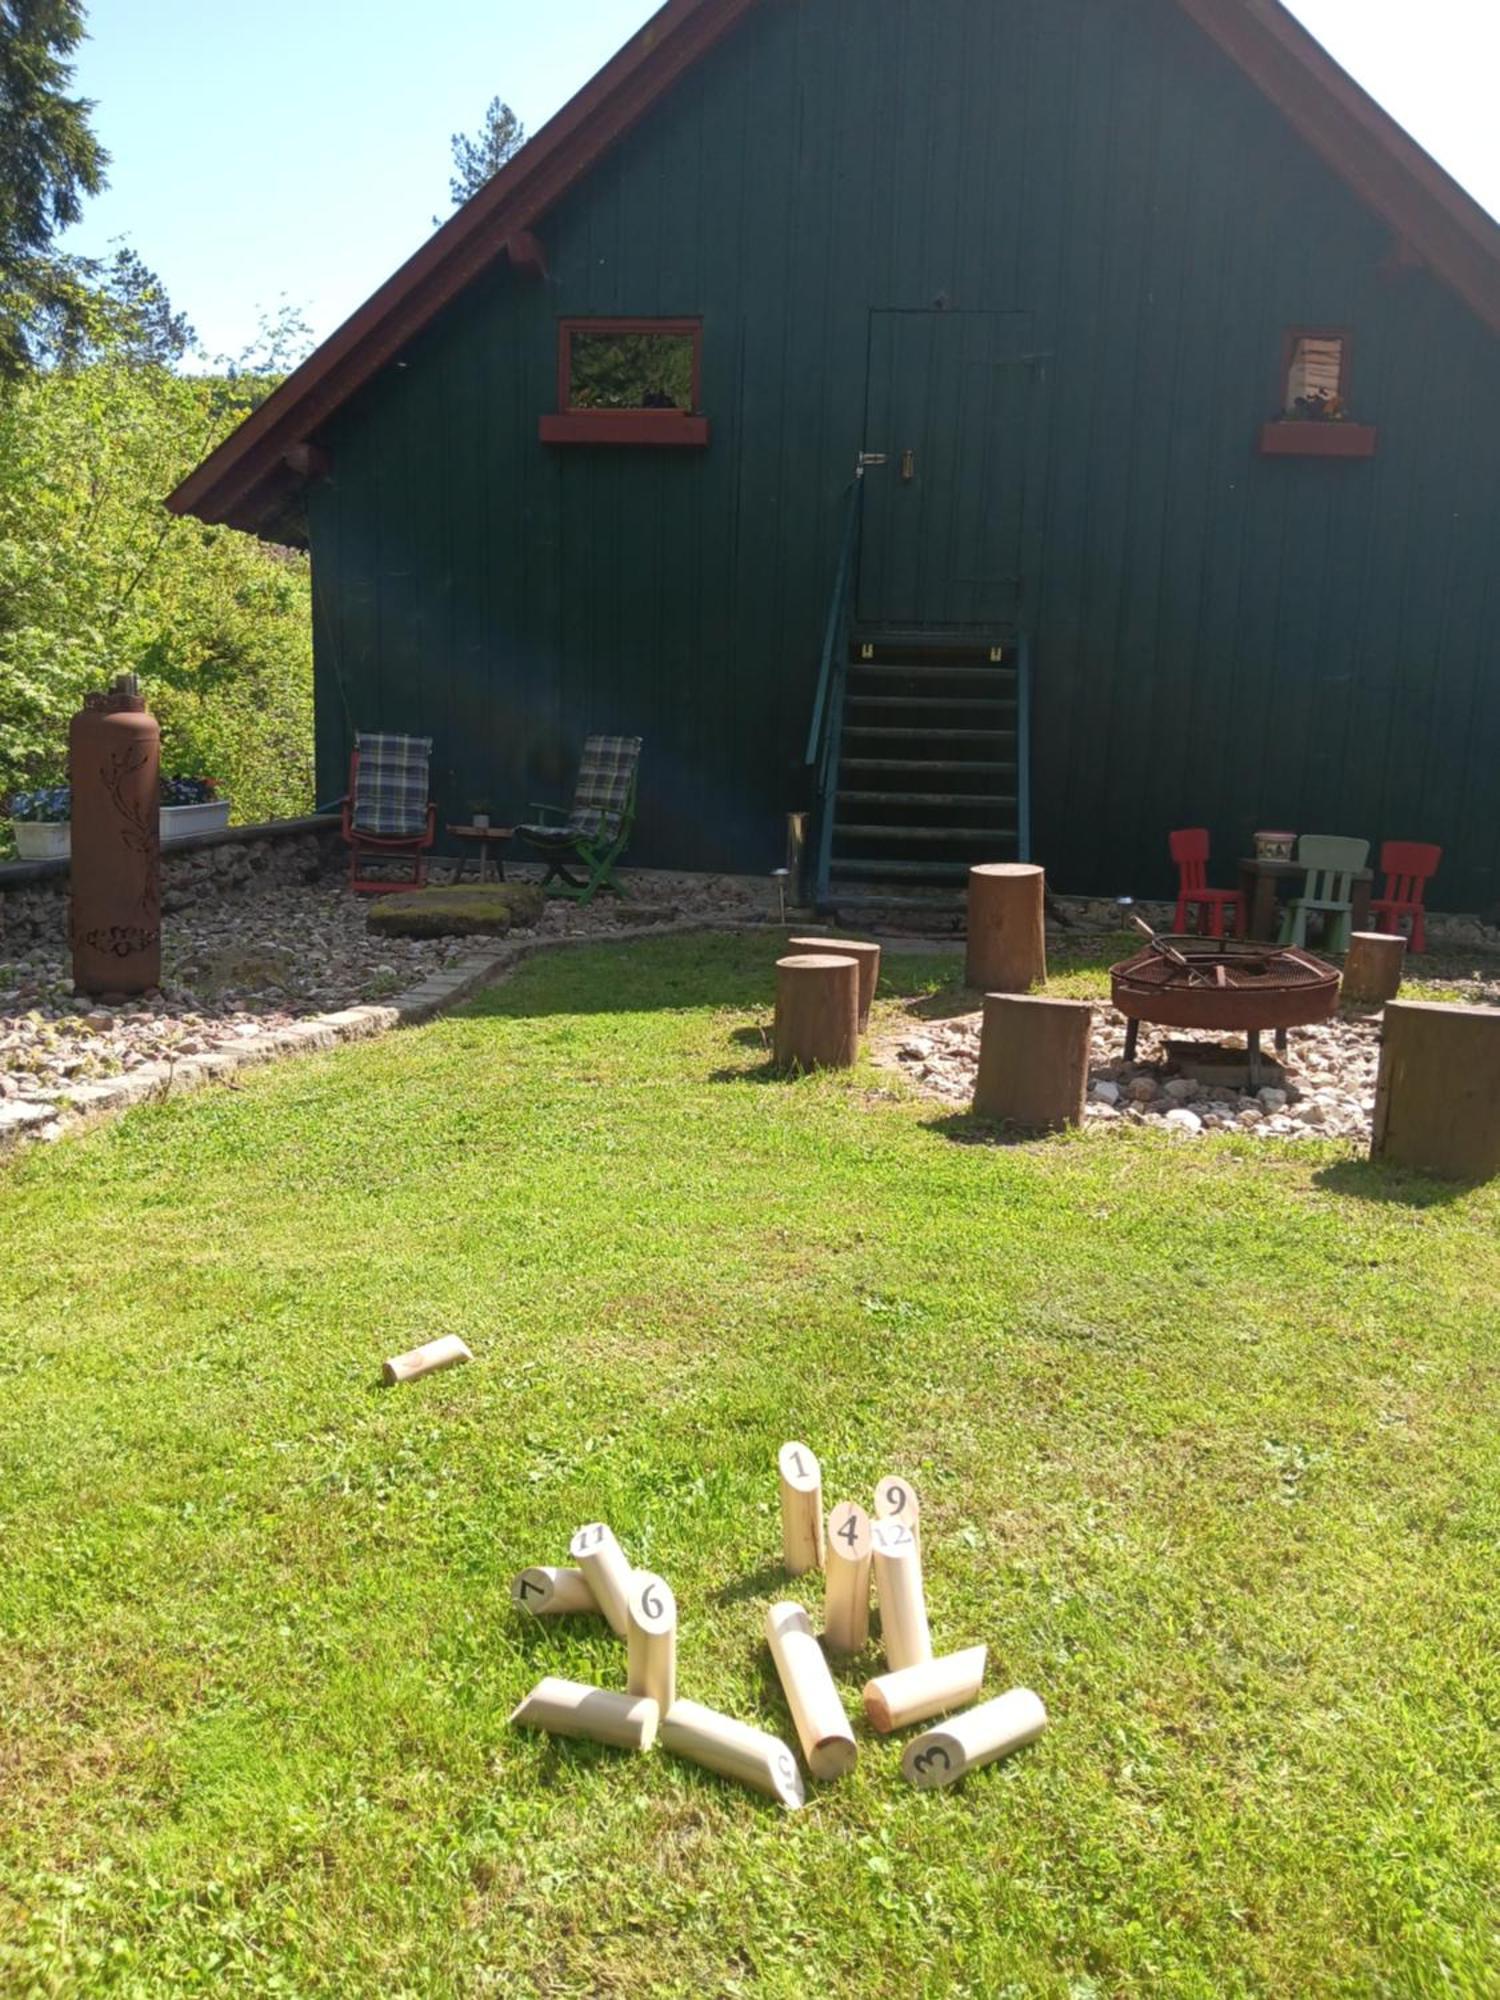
[(1296, 437)]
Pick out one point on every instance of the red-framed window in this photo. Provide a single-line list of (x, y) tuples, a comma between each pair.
[(1316, 374), (1314, 399), (628, 381)]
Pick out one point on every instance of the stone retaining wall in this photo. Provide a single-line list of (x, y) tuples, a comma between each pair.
[(205, 868)]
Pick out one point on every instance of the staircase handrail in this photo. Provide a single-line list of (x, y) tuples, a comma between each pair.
[(836, 629)]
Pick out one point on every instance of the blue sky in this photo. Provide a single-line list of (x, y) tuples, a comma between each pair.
[(303, 152)]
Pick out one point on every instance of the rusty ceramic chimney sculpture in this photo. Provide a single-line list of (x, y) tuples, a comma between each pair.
[(114, 766)]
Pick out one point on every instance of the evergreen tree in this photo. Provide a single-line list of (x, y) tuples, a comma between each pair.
[(49, 160), (479, 159)]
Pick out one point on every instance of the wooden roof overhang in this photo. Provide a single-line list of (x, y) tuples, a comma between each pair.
[(254, 478)]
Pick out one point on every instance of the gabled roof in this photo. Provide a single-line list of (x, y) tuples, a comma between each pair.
[(252, 478)]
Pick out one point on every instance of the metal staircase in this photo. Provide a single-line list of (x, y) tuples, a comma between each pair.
[(930, 774), (920, 745)]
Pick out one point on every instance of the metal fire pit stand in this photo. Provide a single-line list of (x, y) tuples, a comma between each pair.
[(1252, 1046)]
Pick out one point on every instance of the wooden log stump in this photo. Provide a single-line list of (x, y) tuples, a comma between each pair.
[(1373, 968), (1437, 1105), (1007, 927), (817, 1011), (1033, 1061), (866, 956)]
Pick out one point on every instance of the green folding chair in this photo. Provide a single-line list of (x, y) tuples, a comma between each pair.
[(1332, 862), (596, 829)]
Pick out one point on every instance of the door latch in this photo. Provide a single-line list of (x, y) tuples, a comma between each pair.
[(908, 466), (869, 458)]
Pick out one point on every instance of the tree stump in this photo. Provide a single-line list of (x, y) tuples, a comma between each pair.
[(817, 1011), (1033, 1061), (1007, 927), (1437, 1105), (866, 956), (1373, 967)]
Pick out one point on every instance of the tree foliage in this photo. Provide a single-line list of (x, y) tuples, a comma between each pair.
[(97, 578), (49, 160), (478, 159)]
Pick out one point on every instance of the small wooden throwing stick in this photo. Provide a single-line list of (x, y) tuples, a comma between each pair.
[(651, 1641), (846, 1599), (896, 1500), (977, 1737), (569, 1708), (916, 1694), (445, 1353), (898, 1585), (801, 1509), (608, 1574), (552, 1593), (734, 1750), (822, 1727)]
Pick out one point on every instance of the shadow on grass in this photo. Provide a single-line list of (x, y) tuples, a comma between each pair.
[(963, 1128), (1373, 1180), (604, 975)]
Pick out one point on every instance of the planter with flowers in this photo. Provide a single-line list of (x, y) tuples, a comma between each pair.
[(41, 821), (191, 805)]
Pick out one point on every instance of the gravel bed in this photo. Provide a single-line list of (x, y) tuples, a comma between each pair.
[(259, 960), (1328, 1090)]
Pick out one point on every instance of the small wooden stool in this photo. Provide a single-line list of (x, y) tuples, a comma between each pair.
[(1007, 927), (1437, 1105), (1373, 968), (817, 1011), (867, 956), (485, 838), (1033, 1060)]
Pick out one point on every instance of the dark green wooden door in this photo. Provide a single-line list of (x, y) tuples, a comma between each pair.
[(948, 403)]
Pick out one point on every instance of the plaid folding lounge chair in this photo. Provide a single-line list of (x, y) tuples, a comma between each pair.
[(597, 827), (387, 814)]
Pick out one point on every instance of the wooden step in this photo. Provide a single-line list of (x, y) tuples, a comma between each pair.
[(970, 705), (923, 671), (903, 833), (922, 765), (929, 735), (947, 871), (946, 799)]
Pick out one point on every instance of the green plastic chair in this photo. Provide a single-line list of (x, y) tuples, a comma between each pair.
[(1332, 861)]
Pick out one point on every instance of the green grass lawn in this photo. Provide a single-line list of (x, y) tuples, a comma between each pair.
[(1205, 1437)]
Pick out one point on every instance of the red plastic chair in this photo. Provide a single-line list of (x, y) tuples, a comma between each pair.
[(1409, 866), (1190, 851)]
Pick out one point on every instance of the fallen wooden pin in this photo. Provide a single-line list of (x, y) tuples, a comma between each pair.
[(828, 1745), (448, 1352), (598, 1715), (552, 1593), (896, 1500), (916, 1694), (898, 1587), (733, 1750), (978, 1737), (607, 1573), (801, 1509), (846, 1595), (651, 1640)]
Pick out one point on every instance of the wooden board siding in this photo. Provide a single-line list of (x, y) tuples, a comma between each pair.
[(1216, 637)]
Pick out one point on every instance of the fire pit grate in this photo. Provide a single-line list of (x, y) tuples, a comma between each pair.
[(1223, 983)]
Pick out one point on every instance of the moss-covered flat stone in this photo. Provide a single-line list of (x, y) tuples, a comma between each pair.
[(488, 910)]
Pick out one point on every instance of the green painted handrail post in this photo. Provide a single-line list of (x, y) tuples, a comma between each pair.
[(828, 708)]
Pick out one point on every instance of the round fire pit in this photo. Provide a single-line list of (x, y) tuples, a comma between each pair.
[(1223, 984)]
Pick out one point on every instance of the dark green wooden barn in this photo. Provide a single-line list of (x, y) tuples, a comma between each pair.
[(998, 425)]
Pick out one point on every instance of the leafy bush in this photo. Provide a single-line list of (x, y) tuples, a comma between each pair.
[(48, 802), (97, 578)]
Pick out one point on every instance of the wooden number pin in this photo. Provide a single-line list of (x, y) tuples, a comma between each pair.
[(801, 1509), (977, 1737), (846, 1596), (651, 1640), (603, 1563), (552, 1593)]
